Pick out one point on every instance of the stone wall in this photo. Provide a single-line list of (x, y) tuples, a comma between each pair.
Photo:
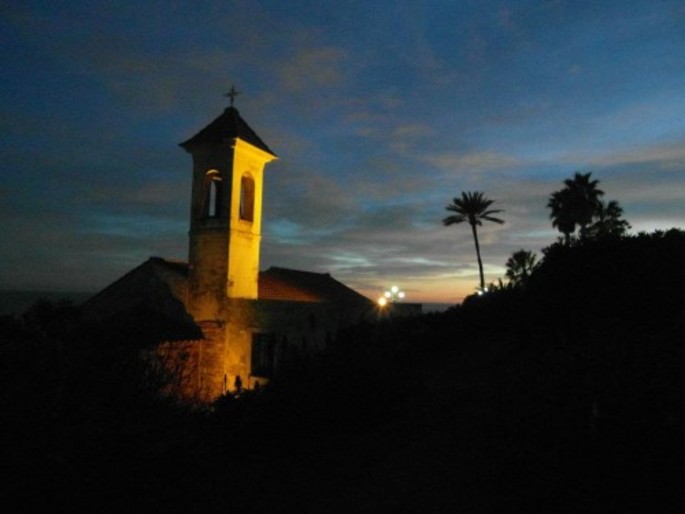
[(204, 369)]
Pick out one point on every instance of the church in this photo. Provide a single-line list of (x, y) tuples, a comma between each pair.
[(221, 323)]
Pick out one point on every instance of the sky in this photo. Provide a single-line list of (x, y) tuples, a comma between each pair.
[(380, 112)]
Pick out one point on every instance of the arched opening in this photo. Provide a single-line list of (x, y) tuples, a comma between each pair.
[(213, 194), (247, 191)]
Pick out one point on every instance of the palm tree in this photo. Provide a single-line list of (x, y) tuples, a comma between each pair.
[(472, 208), (608, 221), (586, 197), (576, 204), (562, 215), (520, 266)]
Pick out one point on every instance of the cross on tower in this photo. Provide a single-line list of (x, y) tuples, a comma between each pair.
[(232, 94)]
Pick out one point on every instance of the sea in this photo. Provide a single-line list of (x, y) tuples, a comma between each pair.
[(436, 307)]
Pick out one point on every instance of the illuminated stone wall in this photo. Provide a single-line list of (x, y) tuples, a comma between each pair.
[(245, 219), (195, 368), (208, 244), (207, 281), (205, 369)]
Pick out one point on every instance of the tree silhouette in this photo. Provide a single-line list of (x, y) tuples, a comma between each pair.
[(520, 266), (473, 208), (575, 205), (562, 217), (608, 222)]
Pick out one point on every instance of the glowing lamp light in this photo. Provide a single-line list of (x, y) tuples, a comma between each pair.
[(382, 301), (393, 295)]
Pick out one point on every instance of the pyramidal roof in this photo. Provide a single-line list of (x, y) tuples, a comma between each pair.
[(230, 125)]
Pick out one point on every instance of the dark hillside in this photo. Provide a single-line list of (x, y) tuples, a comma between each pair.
[(635, 281), (563, 396)]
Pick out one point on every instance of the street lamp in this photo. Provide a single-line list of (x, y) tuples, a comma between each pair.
[(393, 295)]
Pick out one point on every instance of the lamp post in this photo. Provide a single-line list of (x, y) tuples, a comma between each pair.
[(393, 295)]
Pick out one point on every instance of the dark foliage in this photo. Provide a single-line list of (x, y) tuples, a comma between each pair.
[(565, 395), (580, 204)]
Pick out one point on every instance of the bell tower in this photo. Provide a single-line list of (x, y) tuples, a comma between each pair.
[(225, 212)]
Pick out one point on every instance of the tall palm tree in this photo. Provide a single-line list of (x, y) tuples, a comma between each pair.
[(576, 204), (562, 214), (473, 208)]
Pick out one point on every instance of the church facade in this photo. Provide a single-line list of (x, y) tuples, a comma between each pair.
[(224, 324)]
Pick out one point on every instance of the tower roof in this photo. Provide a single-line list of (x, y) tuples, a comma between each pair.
[(230, 125)]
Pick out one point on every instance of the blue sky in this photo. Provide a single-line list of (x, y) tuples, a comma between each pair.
[(380, 112)]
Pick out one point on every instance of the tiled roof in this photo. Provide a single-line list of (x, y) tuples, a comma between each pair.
[(274, 284), (304, 286), (152, 264), (179, 267), (148, 302), (289, 285), (230, 125)]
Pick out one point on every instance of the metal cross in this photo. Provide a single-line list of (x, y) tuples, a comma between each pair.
[(232, 94)]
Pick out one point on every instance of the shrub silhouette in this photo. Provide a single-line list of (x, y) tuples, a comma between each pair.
[(564, 395)]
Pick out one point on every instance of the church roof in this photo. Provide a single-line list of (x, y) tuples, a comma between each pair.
[(146, 304), (154, 293), (287, 284), (230, 125), (305, 286)]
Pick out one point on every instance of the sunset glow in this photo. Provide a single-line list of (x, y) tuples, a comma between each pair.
[(377, 126)]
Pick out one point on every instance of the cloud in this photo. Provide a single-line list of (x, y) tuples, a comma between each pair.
[(665, 156), (308, 199), (313, 69), (380, 114), (472, 162), (386, 244), (71, 252)]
